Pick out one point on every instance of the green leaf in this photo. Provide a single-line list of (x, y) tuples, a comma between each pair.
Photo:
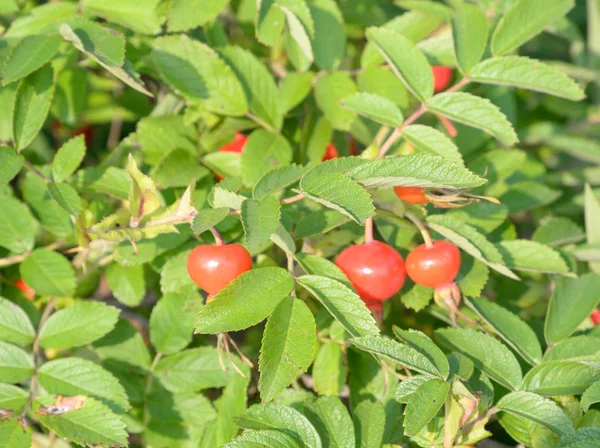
[(319, 222), (417, 297), (572, 301), (328, 371), (526, 255), (490, 356), (484, 216), (196, 72), (225, 198), (294, 88), (424, 345), (339, 165), (424, 404), (509, 327), (432, 141), (126, 283), (581, 346), (582, 438), (470, 32), (315, 265), (74, 376), (524, 20), (10, 164), (413, 25), (174, 276), (406, 60), (476, 112), (106, 47), (207, 218), (528, 195), (264, 151), (417, 170), (66, 197), (31, 106), (48, 273), (257, 291), (378, 80), (407, 387), (340, 193), (143, 194), (17, 231), (558, 231), (124, 345), (258, 84), (265, 437), (13, 398), (369, 424), (590, 396), (287, 347), (472, 277), (188, 14), (68, 158), (91, 424), (329, 91), (172, 322), (405, 355), (31, 53), (277, 179), (329, 44), (194, 369), (16, 365), (537, 409), (471, 241), (522, 72), (269, 23), (14, 433), (556, 378), (282, 239), (141, 17), (77, 325), (300, 24), (333, 423), (342, 303), (282, 418), (177, 169), (374, 107), (15, 326), (591, 215)]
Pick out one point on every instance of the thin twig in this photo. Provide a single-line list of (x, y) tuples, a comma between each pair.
[(36, 355), (262, 123), (19, 258), (421, 226), (412, 118), (217, 235), (369, 230), (35, 171), (150, 379), (291, 199)]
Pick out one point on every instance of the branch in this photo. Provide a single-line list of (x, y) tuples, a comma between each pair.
[(411, 119), (19, 258)]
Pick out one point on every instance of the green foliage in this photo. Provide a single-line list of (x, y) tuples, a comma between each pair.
[(114, 121)]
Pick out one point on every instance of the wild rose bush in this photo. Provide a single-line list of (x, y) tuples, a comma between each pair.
[(299, 223)]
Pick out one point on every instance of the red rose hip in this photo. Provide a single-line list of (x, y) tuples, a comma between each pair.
[(375, 269), (412, 195), (237, 145), (433, 266), (330, 153), (441, 77), (27, 290), (595, 316), (214, 267)]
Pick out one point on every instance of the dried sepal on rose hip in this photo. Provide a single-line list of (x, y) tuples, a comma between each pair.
[(440, 197)]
